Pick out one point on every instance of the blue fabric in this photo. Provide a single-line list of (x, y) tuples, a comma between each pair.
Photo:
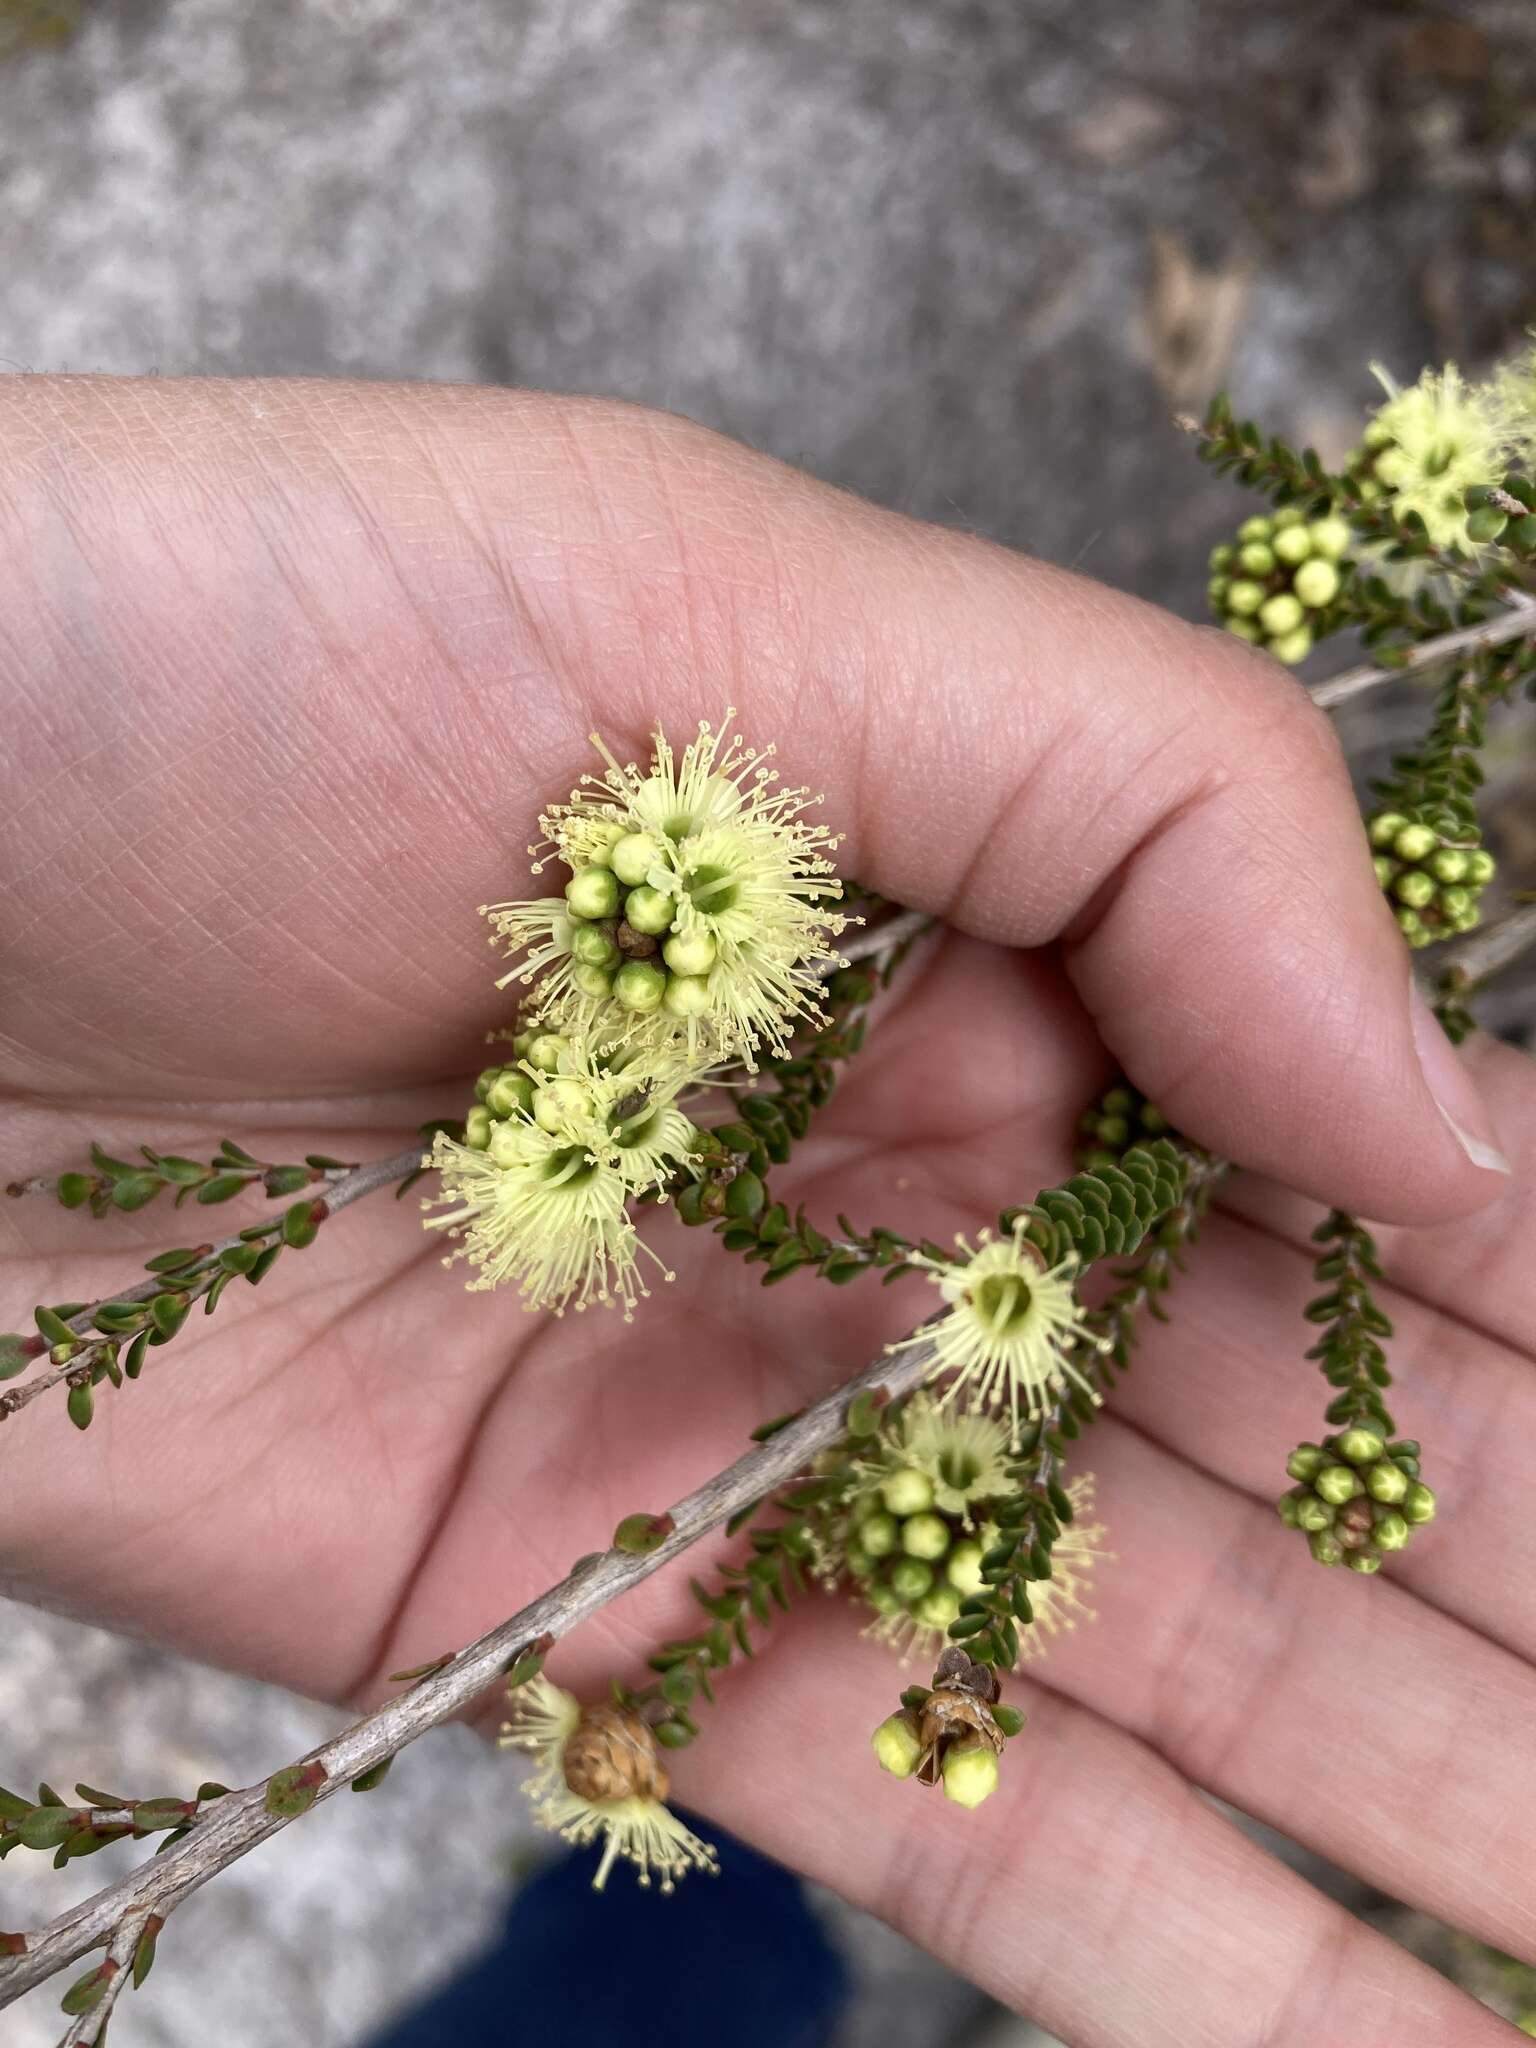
[(737, 1959)]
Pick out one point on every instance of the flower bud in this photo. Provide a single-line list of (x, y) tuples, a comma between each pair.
[(911, 1578), (1306, 1461), (1292, 648), (1337, 1484), (1448, 864), (1361, 1446), (925, 1536), (938, 1608), (545, 1051), (592, 893), (639, 986), (687, 995), (1480, 866), (1316, 583), (1414, 842), (1419, 1504), (1385, 827), (1386, 869), (595, 982), (690, 953), (477, 1128), (1281, 614), (1244, 597), (1326, 1547), (1414, 888), (1456, 903), (963, 1569), (1313, 1514), (1256, 559), (907, 1491), (1222, 557), (1391, 1532), (897, 1745), (1330, 537), (649, 910), (1363, 1561), (1387, 1482), (1245, 629), (1292, 544), (879, 1535), (558, 1104), (508, 1092), (970, 1773), (1256, 528), (632, 857), (594, 947)]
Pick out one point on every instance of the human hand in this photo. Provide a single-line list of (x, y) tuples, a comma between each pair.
[(288, 670)]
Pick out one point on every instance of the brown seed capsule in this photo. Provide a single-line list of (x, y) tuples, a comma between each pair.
[(959, 1709), (635, 945), (612, 1754)]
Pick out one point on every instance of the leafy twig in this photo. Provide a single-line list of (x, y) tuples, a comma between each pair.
[(1513, 624), (128, 1184), (82, 1346), (238, 1822)]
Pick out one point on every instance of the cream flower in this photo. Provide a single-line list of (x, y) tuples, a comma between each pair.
[(598, 1776), (1010, 1328), (1431, 442), (543, 1203), (699, 904)]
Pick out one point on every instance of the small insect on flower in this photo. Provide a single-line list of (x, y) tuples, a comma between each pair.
[(598, 1776), (538, 1191), (698, 905), (1009, 1330)]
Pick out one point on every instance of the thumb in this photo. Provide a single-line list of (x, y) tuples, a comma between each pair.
[(413, 604)]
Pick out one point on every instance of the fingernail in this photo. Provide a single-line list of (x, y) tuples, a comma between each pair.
[(1455, 1093)]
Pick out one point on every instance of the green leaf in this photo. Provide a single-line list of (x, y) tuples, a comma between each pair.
[(222, 1187), (300, 1227), (134, 1190), (81, 1405), (87, 1992), (168, 1312), (144, 1954), (174, 1261), (14, 1355), (73, 1189), (293, 1791), (45, 1827), (228, 1149), (285, 1180), (53, 1326), (639, 1535), (366, 1780)]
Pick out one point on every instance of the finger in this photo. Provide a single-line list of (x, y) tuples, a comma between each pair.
[(1358, 1721), (322, 650), (1476, 1268), (1095, 1891)]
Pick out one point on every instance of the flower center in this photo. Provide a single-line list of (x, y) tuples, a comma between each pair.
[(568, 1167), (1002, 1301), (713, 889), (959, 1468)]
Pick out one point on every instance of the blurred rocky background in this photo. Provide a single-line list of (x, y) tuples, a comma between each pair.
[(964, 256)]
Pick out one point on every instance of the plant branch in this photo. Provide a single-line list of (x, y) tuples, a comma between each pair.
[(1484, 952), (79, 1360), (235, 1824), (116, 1970), (1354, 682)]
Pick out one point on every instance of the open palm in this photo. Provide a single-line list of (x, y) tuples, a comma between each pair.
[(289, 673)]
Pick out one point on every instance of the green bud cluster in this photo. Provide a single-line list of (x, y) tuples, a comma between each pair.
[(1120, 1119), (1278, 584), (625, 940), (509, 1090), (1432, 874), (1357, 1498), (909, 1557)]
